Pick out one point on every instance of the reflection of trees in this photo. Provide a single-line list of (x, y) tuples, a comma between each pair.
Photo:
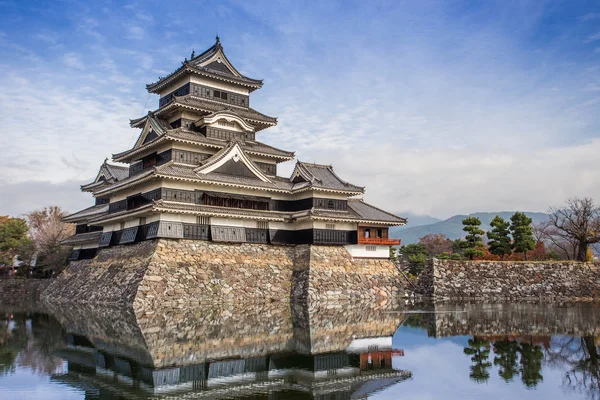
[(506, 359), (531, 364), (579, 356), (13, 339), (479, 350), (29, 340)]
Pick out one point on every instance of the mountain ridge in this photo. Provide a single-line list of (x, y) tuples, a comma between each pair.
[(452, 227)]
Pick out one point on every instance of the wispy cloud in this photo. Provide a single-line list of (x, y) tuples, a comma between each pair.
[(136, 33), (592, 38), (590, 16), (435, 108), (72, 60)]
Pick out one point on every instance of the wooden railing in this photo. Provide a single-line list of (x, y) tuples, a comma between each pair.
[(385, 241)]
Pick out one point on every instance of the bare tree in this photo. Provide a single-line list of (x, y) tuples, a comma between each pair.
[(578, 221), (555, 240)]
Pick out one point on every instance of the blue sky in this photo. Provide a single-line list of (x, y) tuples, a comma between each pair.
[(437, 107)]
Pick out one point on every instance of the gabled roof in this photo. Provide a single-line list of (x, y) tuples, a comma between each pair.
[(86, 213), (152, 124), (259, 120), (230, 153), (323, 177), (107, 175), (368, 212), (212, 63)]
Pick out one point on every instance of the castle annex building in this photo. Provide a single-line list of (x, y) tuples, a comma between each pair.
[(198, 170)]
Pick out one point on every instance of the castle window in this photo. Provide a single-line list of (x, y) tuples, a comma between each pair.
[(224, 95), (330, 226), (217, 93), (371, 248), (262, 224), (330, 204)]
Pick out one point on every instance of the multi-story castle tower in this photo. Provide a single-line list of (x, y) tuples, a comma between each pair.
[(198, 171)]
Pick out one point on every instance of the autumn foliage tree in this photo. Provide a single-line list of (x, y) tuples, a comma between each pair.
[(472, 244), (499, 237), (436, 243), (48, 230)]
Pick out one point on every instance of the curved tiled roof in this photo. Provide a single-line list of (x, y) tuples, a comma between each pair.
[(111, 173), (87, 213), (217, 71), (179, 134), (80, 238), (259, 120), (323, 177)]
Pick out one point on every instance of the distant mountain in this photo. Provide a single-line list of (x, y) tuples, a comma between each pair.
[(452, 227), (415, 220)]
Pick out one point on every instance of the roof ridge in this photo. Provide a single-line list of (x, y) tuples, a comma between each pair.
[(375, 207)]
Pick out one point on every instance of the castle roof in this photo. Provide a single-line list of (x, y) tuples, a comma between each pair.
[(322, 176), (358, 211), (259, 120), (186, 136), (212, 63), (87, 213), (106, 176), (81, 238)]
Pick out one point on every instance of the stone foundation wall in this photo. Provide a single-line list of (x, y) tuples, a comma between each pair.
[(510, 280), (112, 277), (21, 292), (175, 274), (186, 273), (335, 275)]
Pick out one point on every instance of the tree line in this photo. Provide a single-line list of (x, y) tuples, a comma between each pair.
[(34, 242), (570, 233)]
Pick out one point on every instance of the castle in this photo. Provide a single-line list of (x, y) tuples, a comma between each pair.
[(198, 171)]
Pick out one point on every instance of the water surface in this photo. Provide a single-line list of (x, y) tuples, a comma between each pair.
[(323, 351)]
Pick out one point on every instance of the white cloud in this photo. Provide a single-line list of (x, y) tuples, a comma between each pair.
[(136, 33), (72, 60), (593, 37)]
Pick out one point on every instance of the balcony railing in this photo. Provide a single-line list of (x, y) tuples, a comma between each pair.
[(383, 241)]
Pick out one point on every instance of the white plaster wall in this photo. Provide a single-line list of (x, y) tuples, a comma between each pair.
[(245, 223), (360, 250), (363, 345)]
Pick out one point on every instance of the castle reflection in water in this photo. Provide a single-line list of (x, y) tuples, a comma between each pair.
[(269, 350), (282, 351)]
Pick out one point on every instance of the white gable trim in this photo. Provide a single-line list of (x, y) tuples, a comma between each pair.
[(150, 125), (219, 57), (235, 154), (229, 117)]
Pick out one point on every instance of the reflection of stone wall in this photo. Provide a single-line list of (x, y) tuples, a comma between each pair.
[(217, 331), (511, 280), (175, 274), (19, 292), (333, 326), (514, 319)]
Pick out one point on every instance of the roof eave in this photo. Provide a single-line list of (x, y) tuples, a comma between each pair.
[(155, 87)]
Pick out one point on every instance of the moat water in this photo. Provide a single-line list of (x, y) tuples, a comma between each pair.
[(323, 351)]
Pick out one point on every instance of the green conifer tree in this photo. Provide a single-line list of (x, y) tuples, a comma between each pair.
[(472, 245), (520, 227), (500, 243)]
